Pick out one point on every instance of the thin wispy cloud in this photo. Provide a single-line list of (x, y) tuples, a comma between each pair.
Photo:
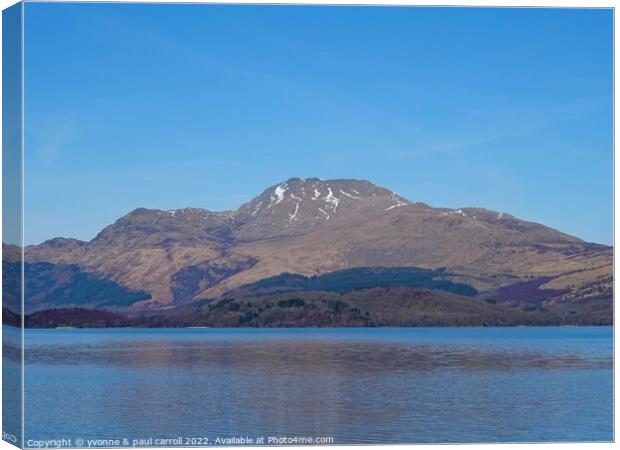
[(513, 124), (50, 139)]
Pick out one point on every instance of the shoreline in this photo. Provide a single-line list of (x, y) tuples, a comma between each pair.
[(311, 328)]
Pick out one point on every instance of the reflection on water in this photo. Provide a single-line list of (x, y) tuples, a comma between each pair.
[(284, 357), (359, 386)]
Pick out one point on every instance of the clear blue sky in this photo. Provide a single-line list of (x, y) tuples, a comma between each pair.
[(169, 106)]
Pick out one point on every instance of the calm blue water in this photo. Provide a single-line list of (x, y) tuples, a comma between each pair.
[(355, 385)]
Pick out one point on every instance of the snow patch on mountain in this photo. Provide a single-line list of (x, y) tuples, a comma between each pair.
[(345, 193), (323, 211), (294, 215), (332, 199), (278, 195), (279, 192), (398, 203), (459, 212), (257, 208)]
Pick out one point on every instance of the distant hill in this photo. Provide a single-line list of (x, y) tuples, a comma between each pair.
[(60, 285)]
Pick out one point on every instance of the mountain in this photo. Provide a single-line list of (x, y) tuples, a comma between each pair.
[(313, 227)]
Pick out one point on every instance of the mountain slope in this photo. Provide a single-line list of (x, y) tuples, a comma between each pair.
[(50, 285)]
